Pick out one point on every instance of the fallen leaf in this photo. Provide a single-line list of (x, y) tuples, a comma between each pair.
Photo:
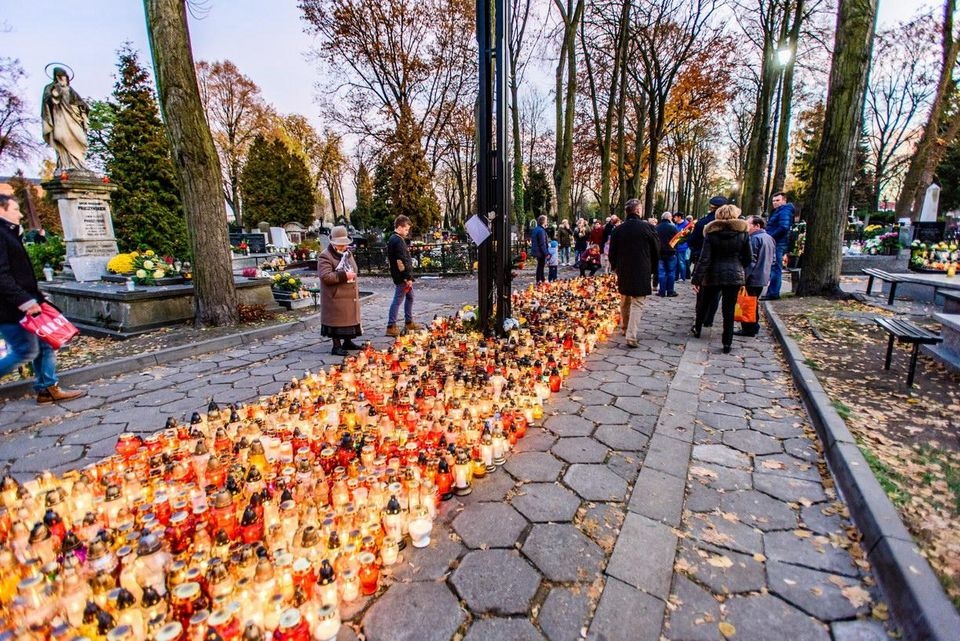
[(727, 629), (720, 562), (856, 595)]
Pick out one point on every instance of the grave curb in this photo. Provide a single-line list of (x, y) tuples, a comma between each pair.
[(916, 598), (127, 364)]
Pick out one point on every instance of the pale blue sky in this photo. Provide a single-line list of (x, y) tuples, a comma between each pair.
[(264, 38)]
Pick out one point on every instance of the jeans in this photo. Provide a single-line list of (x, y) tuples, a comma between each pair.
[(666, 273), (400, 294), (710, 294), (776, 273), (564, 255), (682, 264), (22, 346), (593, 268), (541, 263), (552, 273)]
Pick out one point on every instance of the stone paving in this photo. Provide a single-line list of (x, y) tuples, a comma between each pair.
[(672, 492)]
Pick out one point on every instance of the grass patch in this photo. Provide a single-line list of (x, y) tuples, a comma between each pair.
[(843, 410), (812, 364), (951, 474), (891, 481)]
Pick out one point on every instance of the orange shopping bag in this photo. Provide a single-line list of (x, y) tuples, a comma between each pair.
[(746, 310), (50, 326)]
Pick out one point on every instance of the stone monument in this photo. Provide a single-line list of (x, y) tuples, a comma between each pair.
[(83, 197)]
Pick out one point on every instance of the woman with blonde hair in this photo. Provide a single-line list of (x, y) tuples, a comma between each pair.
[(720, 270)]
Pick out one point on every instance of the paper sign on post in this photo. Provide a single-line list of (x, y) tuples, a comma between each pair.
[(477, 229)]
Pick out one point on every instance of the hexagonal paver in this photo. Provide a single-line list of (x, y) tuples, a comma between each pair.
[(637, 405), (493, 487), (620, 437), (755, 616), (580, 450), (752, 442), (563, 553), (542, 502), (414, 612), (430, 563), (493, 525), (564, 612), (495, 581), (534, 466), (595, 483), (606, 415), (536, 439), (566, 425)]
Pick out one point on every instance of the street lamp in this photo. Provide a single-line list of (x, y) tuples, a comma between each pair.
[(784, 55)]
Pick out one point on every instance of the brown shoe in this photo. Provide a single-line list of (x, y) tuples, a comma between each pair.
[(54, 394), (412, 327), (394, 330)]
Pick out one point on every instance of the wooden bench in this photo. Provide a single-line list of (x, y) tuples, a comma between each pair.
[(886, 277), (906, 332)]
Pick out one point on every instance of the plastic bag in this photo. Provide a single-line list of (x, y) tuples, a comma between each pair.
[(746, 309), (50, 326)]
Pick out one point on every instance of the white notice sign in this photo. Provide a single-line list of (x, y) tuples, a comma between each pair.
[(477, 229)]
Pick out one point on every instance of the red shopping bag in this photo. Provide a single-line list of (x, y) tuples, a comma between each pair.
[(50, 326)]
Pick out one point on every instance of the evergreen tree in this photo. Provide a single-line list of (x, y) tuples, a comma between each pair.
[(146, 204), (807, 142), (275, 185), (381, 214), (948, 174), (363, 213), (538, 192), (861, 194), (410, 188)]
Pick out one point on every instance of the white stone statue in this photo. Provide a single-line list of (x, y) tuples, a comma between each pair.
[(65, 122), (931, 204)]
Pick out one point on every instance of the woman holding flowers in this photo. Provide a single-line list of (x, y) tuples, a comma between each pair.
[(339, 295)]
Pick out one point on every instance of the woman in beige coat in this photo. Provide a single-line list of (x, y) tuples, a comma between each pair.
[(339, 295)]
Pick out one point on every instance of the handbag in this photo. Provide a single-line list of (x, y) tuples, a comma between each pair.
[(50, 326), (746, 309)]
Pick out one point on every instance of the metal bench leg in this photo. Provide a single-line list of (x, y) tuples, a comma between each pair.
[(886, 363), (913, 364), (893, 292), (869, 285)]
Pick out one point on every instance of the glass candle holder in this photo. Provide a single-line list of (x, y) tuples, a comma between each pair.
[(369, 574), (327, 623)]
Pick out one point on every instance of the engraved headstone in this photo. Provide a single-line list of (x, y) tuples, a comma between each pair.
[(83, 199)]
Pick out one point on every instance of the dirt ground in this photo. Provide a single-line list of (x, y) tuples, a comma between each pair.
[(910, 437)]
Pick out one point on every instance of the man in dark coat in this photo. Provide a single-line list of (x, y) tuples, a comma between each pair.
[(539, 248), (634, 254), (20, 295)]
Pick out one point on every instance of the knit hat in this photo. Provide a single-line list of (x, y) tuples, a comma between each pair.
[(719, 201), (339, 236), (727, 212)]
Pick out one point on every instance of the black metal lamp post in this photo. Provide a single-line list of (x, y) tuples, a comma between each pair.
[(493, 169)]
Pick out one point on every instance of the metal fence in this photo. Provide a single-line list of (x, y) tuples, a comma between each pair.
[(434, 258)]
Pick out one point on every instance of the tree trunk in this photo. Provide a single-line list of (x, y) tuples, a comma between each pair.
[(923, 162), (195, 157), (833, 172), (519, 208), (654, 150), (786, 103)]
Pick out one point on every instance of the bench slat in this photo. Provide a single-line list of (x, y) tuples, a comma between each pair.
[(906, 330)]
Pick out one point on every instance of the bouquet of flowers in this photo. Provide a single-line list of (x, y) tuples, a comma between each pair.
[(286, 282), (680, 236), (149, 268)]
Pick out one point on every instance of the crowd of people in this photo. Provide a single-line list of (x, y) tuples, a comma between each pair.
[(724, 256)]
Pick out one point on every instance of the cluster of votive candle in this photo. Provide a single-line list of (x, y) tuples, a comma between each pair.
[(262, 520)]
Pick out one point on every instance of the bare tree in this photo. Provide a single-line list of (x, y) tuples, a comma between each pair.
[(195, 159), (565, 87), (236, 113), (668, 34), (942, 126), (899, 88), (16, 142)]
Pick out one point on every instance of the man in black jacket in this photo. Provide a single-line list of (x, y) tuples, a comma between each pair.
[(401, 270), (20, 295)]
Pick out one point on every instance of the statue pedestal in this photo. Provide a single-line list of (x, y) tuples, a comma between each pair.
[(84, 203)]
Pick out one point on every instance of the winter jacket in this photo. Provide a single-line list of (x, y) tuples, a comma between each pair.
[(634, 254), (596, 236), (397, 250), (580, 237), (725, 255), (666, 230), (763, 251), (18, 284), (564, 236), (781, 220), (695, 239), (339, 300), (538, 242)]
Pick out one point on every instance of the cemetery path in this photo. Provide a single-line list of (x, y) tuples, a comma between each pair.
[(672, 492)]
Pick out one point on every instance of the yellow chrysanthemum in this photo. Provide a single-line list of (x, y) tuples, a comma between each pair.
[(121, 264), (141, 273), (150, 253), (292, 281), (148, 264), (159, 273)]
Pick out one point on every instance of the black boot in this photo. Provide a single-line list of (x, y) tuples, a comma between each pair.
[(337, 349), (349, 344)]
